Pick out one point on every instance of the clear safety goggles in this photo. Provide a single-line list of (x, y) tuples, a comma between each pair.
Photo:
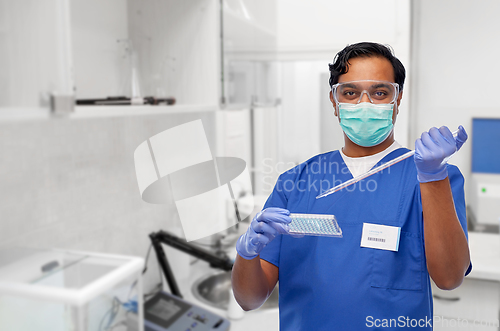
[(377, 91)]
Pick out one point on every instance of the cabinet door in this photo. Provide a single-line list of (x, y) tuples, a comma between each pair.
[(475, 301), (35, 60)]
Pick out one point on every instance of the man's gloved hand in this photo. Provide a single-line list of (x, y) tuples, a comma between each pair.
[(265, 226), (432, 151)]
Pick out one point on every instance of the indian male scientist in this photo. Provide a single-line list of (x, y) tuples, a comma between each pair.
[(416, 209)]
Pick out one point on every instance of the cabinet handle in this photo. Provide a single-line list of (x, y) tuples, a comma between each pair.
[(444, 298)]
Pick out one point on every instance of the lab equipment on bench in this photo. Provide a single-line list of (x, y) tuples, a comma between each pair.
[(166, 312), (370, 172), (61, 290), (163, 237), (314, 225), (169, 312)]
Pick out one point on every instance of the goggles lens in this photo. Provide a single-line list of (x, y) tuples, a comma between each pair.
[(376, 91)]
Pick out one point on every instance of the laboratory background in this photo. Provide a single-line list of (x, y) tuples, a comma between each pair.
[(83, 83)]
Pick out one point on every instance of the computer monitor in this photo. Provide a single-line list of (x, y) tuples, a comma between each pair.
[(485, 198), (486, 145)]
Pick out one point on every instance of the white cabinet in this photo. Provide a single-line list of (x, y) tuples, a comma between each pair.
[(95, 49)]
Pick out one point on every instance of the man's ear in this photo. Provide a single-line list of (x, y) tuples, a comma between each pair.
[(334, 104), (400, 96)]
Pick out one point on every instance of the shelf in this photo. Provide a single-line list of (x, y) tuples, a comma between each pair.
[(83, 112), (117, 111)]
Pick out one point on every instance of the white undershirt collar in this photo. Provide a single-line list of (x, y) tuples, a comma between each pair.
[(360, 165)]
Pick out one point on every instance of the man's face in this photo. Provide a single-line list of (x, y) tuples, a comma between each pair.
[(369, 68)]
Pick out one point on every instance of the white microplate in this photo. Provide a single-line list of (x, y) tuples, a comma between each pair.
[(314, 225)]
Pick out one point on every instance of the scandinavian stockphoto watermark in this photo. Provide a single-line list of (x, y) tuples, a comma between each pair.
[(177, 166), (427, 322), (318, 177)]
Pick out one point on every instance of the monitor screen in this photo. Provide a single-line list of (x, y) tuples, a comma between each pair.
[(486, 145)]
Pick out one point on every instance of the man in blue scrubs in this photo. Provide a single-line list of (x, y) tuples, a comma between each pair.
[(357, 282)]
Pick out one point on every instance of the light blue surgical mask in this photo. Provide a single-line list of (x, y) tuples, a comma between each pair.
[(366, 124)]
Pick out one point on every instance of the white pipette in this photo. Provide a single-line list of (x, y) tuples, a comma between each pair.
[(370, 172)]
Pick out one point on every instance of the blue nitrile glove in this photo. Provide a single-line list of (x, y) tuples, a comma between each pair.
[(432, 151), (265, 226)]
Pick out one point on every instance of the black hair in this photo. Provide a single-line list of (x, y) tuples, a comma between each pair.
[(341, 63)]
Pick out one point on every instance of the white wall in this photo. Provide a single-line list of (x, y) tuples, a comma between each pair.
[(319, 28), (71, 184), (301, 97), (456, 66)]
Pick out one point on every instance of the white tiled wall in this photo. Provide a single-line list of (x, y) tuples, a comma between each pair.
[(70, 183)]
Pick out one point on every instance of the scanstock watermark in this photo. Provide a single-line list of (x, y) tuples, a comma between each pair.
[(427, 322)]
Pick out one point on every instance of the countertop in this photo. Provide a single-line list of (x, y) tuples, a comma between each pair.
[(485, 256)]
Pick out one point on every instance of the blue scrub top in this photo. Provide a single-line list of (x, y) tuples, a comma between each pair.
[(334, 284)]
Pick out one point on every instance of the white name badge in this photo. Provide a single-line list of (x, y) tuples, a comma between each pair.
[(380, 236)]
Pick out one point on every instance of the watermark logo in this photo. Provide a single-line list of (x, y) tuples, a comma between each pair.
[(318, 177), (177, 165), (428, 322)]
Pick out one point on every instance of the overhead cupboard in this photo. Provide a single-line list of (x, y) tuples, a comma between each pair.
[(59, 51), (200, 53)]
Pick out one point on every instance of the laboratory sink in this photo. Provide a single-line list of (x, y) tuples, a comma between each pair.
[(214, 289)]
